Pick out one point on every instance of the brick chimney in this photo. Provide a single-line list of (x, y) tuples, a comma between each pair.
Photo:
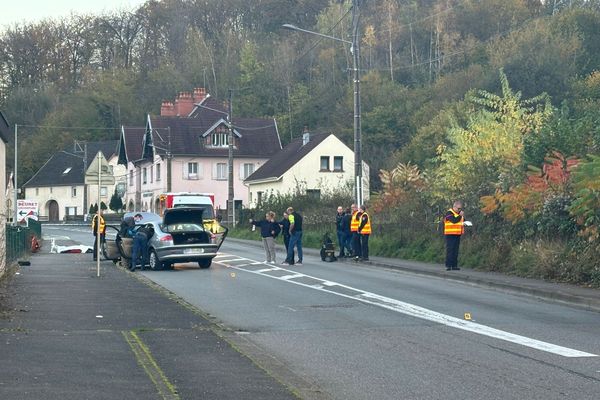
[(305, 136), (184, 103), (167, 109), (199, 95)]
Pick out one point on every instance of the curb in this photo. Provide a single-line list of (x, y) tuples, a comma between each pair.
[(555, 295)]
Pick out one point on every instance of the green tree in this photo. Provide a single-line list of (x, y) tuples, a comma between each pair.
[(116, 203), (586, 205), (487, 153)]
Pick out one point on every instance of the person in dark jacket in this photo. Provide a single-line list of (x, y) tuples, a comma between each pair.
[(269, 230), (347, 233), (295, 237), (140, 246), (285, 231), (339, 226)]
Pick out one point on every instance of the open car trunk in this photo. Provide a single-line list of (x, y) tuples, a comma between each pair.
[(185, 225), (181, 238)]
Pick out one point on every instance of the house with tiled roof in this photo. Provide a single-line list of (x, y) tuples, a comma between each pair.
[(59, 185), (313, 164), (186, 149)]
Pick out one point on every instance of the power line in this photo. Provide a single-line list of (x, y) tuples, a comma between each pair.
[(321, 38), (397, 28)]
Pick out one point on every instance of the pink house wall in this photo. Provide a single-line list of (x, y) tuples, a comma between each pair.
[(180, 181)]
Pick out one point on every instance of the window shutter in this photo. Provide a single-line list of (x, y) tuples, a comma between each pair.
[(242, 171), (214, 171)]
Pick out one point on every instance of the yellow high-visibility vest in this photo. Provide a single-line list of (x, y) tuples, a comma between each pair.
[(102, 224), (451, 228), (366, 230), (354, 222)]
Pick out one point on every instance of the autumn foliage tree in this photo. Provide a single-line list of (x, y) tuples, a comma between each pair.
[(541, 185)]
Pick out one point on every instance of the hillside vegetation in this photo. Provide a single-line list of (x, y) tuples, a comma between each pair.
[(495, 102)]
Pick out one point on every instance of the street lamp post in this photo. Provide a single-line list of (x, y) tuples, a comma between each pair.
[(358, 194), (15, 216)]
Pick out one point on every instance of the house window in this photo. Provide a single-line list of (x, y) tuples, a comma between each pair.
[(324, 163), (37, 191), (144, 175), (314, 194), (103, 191), (151, 174), (220, 137), (259, 196), (74, 191), (221, 172), (338, 164), (247, 170), (50, 189), (157, 172), (192, 170), (130, 177)]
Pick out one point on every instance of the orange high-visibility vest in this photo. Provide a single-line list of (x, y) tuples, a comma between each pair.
[(366, 230), (354, 222), (454, 228)]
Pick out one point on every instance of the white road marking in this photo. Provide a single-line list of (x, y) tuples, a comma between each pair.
[(262, 271), (416, 311), (293, 276)]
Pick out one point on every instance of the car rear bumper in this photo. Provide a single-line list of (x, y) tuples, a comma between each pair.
[(186, 253)]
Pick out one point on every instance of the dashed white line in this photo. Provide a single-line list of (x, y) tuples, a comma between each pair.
[(414, 311)]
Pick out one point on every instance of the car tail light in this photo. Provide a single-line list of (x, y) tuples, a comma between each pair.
[(166, 238)]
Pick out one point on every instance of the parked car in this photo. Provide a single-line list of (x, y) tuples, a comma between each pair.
[(179, 237)]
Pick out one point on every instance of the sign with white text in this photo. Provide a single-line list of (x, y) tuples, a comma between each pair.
[(27, 209)]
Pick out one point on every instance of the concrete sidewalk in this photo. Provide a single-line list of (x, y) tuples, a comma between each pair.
[(586, 298), (67, 334)]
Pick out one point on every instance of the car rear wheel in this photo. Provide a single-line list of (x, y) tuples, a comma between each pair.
[(205, 263), (155, 263)]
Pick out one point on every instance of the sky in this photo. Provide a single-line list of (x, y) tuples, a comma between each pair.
[(19, 11)]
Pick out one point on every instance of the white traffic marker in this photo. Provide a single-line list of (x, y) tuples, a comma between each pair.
[(416, 311)]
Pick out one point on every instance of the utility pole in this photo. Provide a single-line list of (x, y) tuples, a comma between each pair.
[(358, 184), (78, 148), (15, 186), (169, 158), (230, 198), (357, 119)]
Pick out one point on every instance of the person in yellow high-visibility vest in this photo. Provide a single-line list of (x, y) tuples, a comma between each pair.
[(98, 229), (454, 221), (354, 222), (364, 231)]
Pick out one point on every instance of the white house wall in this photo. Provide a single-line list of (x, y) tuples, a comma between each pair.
[(61, 194), (306, 174)]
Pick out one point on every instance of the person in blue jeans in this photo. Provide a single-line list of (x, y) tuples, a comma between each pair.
[(140, 246), (295, 237)]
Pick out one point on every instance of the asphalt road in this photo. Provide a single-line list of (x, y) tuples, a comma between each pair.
[(363, 332)]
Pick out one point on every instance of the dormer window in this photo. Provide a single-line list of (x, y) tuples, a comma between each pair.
[(220, 137), (66, 171)]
